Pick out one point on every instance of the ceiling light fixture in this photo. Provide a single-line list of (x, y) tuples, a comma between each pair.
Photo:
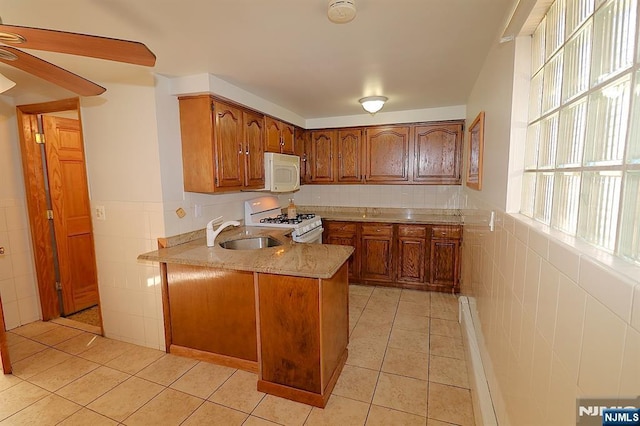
[(373, 104), (5, 83), (341, 11)]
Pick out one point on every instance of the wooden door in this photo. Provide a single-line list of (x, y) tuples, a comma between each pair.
[(438, 154), (376, 248), (66, 172), (4, 346), (288, 138), (349, 148), (253, 125), (228, 147), (322, 156), (412, 254), (387, 154)]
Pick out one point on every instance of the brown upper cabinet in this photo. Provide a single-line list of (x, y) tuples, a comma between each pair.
[(302, 149), (438, 150), (349, 149), (387, 154), (279, 136), (221, 145), (321, 156)]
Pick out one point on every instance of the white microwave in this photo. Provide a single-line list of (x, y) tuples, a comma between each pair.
[(281, 172)]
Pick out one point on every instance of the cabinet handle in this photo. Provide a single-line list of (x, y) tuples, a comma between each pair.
[(239, 149), (247, 151)]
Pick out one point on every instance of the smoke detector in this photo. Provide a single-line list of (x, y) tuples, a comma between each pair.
[(341, 11)]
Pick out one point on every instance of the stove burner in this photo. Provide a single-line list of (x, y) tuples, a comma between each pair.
[(282, 219)]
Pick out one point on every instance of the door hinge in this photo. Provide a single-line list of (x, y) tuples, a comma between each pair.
[(58, 286), (40, 138), (50, 214)]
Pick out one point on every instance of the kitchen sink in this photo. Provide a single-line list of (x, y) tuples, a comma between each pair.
[(250, 243)]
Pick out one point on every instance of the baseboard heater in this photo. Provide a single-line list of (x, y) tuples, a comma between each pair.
[(483, 409)]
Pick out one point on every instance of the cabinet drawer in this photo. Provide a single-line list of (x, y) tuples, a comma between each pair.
[(412, 231), (341, 227), (377, 229), (450, 232)]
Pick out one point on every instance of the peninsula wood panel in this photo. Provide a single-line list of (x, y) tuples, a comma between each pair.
[(290, 331), (213, 310), (387, 154), (334, 313), (438, 154)]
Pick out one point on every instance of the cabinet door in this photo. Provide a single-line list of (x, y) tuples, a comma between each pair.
[(438, 154), (349, 148), (413, 254), (445, 258), (253, 149), (344, 234), (376, 251), (387, 154), (322, 156), (287, 137), (228, 145), (273, 137)]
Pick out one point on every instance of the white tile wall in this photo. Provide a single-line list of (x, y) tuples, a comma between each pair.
[(401, 196), (574, 323), (18, 287)]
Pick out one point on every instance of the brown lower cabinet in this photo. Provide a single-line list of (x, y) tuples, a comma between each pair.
[(423, 257)]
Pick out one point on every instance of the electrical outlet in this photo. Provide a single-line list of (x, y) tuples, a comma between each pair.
[(100, 213), (197, 210)]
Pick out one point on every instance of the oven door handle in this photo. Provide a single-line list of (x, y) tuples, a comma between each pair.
[(309, 236)]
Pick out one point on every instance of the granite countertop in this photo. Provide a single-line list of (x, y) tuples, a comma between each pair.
[(387, 215), (290, 258)]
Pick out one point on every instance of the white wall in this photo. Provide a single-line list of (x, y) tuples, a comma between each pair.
[(559, 319)]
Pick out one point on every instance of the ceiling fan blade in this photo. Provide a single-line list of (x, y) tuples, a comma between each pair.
[(131, 52), (48, 71)]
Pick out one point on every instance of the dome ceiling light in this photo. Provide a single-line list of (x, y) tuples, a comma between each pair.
[(341, 11), (373, 104)]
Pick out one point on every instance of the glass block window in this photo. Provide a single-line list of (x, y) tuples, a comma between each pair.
[(582, 152)]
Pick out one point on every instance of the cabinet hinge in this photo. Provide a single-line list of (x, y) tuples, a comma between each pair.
[(216, 181), (58, 286), (40, 138), (50, 214), (213, 107)]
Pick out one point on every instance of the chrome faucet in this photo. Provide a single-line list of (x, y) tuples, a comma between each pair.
[(211, 234)]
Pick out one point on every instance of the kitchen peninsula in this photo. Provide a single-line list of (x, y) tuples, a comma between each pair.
[(279, 311)]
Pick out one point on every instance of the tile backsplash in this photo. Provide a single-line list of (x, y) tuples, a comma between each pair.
[(400, 196)]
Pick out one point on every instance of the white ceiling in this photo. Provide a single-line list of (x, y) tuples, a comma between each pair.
[(419, 53)]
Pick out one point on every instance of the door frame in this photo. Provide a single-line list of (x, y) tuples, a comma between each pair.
[(35, 194)]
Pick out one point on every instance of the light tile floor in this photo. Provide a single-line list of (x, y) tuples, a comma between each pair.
[(405, 367)]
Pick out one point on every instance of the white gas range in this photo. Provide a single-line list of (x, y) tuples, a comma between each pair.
[(266, 211)]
